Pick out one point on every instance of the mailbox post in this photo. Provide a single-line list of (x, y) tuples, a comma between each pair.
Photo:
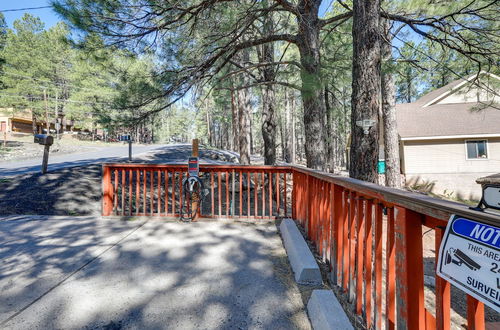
[(129, 150), (46, 141), (127, 138)]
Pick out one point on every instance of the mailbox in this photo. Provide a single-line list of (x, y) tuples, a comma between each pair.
[(491, 192), (491, 196), (44, 139)]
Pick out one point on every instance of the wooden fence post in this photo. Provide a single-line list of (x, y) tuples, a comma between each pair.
[(308, 202), (475, 314), (294, 196), (409, 270), (107, 189), (338, 223), (443, 291)]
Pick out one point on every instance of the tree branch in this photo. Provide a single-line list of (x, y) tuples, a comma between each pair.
[(288, 6), (262, 83), (340, 17)]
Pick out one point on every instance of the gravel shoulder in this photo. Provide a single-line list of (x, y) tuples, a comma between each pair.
[(23, 150)]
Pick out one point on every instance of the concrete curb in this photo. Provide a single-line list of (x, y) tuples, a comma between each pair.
[(304, 266), (326, 313)]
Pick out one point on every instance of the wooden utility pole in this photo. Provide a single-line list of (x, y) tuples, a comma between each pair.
[(195, 151), (56, 121), (46, 110), (195, 196)]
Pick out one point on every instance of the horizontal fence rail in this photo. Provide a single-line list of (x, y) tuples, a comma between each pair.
[(259, 192), (372, 237)]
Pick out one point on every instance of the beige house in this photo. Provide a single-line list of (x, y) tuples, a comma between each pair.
[(21, 121), (451, 136), (15, 121)]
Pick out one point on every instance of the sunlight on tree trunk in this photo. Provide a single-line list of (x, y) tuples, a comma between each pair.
[(365, 90), (391, 140)]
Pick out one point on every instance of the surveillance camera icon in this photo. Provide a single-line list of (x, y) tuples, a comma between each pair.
[(459, 258)]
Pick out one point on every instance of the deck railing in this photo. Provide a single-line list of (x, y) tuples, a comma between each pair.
[(252, 192), (370, 236)]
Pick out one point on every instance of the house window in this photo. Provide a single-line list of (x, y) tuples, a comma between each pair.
[(477, 149)]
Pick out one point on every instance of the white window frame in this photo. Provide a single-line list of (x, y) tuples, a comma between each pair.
[(487, 149)]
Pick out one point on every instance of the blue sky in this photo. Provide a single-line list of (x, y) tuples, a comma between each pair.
[(50, 18), (47, 15)]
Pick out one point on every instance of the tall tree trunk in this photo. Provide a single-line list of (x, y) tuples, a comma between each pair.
[(408, 88), (152, 129), (365, 90), (284, 136), (293, 145), (268, 96), (235, 122), (252, 145), (329, 133), (227, 137), (34, 125), (269, 125), (308, 43), (289, 139), (244, 114), (209, 129), (391, 140)]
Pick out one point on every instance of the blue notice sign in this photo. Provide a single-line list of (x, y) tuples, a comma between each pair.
[(469, 258), (479, 232)]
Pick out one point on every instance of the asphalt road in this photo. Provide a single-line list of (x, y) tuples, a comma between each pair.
[(101, 155), (94, 273)]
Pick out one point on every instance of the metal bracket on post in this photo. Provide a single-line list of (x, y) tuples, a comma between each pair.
[(365, 124)]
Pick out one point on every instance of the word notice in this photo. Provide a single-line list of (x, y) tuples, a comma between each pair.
[(469, 258)]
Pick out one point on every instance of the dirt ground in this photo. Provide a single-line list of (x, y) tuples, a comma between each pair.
[(71, 191)]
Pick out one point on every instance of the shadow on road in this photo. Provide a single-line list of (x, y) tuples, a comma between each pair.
[(152, 276)]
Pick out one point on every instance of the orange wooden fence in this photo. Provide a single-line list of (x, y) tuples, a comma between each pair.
[(371, 236), (260, 192)]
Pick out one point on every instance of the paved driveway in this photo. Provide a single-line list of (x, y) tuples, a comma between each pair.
[(61, 272)]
